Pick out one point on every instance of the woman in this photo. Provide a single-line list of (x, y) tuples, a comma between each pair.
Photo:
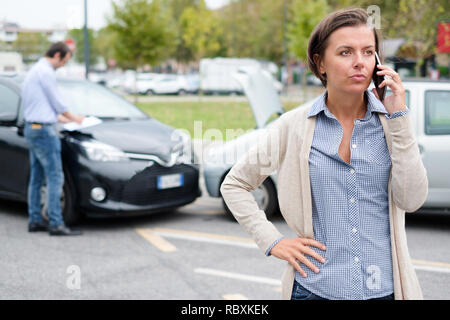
[(348, 168)]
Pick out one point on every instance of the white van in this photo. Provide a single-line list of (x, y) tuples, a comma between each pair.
[(11, 63), (216, 74)]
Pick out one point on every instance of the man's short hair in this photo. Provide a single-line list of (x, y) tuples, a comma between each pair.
[(60, 47)]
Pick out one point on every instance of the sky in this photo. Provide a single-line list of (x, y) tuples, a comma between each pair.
[(62, 13)]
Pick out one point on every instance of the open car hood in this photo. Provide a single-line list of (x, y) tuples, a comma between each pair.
[(258, 85)]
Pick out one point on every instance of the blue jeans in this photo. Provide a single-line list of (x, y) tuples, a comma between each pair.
[(45, 163), (301, 293)]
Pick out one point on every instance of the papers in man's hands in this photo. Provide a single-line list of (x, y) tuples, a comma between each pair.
[(87, 122)]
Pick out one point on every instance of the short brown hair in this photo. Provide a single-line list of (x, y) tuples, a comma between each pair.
[(318, 41), (60, 47)]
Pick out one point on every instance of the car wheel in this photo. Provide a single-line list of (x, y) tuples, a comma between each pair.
[(266, 198), (182, 92), (149, 92), (67, 201)]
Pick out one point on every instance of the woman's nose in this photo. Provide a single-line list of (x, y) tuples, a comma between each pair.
[(359, 60)]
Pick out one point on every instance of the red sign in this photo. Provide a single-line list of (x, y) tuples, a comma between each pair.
[(71, 44), (443, 37)]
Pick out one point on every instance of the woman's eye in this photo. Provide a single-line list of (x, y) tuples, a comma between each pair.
[(369, 52), (345, 52)]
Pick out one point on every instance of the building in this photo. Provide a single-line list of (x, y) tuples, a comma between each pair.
[(9, 32)]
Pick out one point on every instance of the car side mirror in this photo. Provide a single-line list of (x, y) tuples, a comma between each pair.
[(20, 129)]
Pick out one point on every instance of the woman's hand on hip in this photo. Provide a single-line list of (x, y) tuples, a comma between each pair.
[(293, 250)]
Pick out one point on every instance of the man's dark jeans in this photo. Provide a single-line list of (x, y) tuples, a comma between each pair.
[(45, 163)]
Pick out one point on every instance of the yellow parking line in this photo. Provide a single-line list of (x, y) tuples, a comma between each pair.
[(156, 240), (234, 296), (202, 234), (162, 244), (213, 212)]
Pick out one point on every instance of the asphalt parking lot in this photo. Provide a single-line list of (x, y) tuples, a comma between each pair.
[(196, 252)]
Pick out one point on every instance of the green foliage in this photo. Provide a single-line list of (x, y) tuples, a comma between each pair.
[(148, 32), (78, 36), (182, 53), (201, 31), (104, 42), (306, 14), (144, 33), (32, 46), (254, 28)]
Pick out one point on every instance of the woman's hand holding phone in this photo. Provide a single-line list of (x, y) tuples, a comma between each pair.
[(396, 101)]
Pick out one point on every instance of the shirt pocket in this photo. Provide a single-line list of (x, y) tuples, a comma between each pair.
[(378, 152)]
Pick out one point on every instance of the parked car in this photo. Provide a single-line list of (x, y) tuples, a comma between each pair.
[(429, 106), (145, 82), (311, 79), (264, 102), (169, 84), (193, 82), (129, 164)]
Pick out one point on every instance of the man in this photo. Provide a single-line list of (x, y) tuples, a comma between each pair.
[(42, 106)]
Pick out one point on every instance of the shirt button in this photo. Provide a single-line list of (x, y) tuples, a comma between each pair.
[(354, 146), (352, 200), (352, 171), (356, 259), (354, 230)]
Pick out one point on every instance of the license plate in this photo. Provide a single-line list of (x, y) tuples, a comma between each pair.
[(170, 181)]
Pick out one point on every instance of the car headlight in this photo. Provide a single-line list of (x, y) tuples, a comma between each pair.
[(184, 149), (98, 151)]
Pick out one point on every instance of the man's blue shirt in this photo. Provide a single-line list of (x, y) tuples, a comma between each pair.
[(41, 100)]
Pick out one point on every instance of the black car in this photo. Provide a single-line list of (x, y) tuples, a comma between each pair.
[(127, 165)]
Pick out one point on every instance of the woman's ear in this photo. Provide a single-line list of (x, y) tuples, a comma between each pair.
[(319, 63)]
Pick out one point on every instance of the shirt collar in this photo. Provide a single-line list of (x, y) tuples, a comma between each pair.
[(45, 62), (373, 105)]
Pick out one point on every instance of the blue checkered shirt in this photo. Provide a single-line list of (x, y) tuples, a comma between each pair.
[(350, 207)]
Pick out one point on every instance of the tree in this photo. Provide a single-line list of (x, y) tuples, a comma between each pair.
[(417, 23), (413, 20), (177, 7), (268, 39), (104, 43), (78, 36), (32, 46), (144, 33), (240, 19), (201, 31), (306, 14)]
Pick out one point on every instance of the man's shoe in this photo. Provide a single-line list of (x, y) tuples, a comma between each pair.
[(63, 231), (34, 227)]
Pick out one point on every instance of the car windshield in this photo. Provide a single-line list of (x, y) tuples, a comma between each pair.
[(90, 99)]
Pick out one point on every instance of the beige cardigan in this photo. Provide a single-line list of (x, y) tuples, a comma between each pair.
[(285, 148)]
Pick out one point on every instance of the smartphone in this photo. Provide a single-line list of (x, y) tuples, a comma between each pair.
[(378, 79)]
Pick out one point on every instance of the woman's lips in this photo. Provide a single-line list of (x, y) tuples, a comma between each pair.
[(358, 77)]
